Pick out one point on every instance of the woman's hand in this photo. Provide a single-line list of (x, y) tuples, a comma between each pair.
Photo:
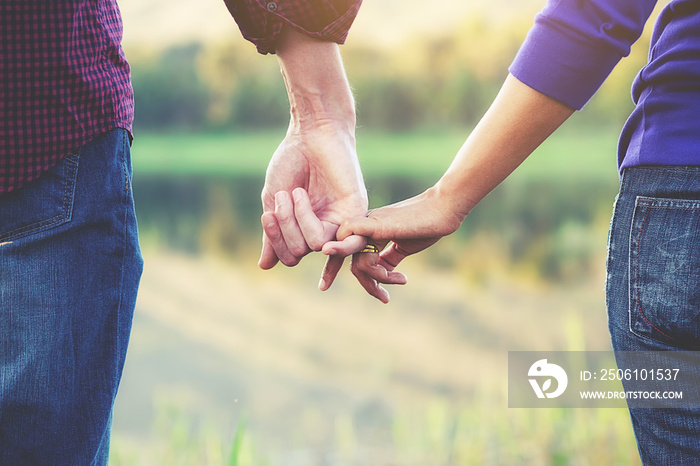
[(519, 119), (406, 227)]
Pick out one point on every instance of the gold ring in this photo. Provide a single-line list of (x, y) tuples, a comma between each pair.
[(370, 248)]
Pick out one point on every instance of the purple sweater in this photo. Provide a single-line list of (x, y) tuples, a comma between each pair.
[(574, 46)]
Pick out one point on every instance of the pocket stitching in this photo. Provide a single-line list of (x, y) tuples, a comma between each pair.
[(62, 217), (648, 204)]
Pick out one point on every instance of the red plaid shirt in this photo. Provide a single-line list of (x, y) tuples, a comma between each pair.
[(261, 21), (64, 78)]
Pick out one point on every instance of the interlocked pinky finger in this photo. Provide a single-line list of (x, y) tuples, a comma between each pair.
[(391, 257)]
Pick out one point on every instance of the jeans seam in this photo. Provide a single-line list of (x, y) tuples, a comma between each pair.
[(124, 162), (612, 240)]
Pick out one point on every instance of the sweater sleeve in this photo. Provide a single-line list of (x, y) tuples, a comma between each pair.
[(261, 21), (574, 45)]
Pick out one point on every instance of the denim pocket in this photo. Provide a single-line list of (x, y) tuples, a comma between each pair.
[(665, 271), (44, 203)]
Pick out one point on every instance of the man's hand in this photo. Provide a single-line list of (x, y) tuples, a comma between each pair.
[(313, 182), (317, 156)]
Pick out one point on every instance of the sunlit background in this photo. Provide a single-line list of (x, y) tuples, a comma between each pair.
[(232, 365)]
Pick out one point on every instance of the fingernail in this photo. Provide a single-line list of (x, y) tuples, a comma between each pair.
[(296, 195), (322, 285), (331, 252)]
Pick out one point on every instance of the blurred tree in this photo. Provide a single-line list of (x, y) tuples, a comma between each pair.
[(447, 80), (168, 91)]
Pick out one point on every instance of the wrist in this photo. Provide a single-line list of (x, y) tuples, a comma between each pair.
[(311, 110), (455, 201)]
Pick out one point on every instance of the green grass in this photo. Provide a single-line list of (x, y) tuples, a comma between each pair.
[(440, 434), (568, 153), (204, 154)]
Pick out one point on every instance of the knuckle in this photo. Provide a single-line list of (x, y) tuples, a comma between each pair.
[(274, 234), (282, 215), (290, 261), (315, 243), (298, 251), (362, 276), (377, 273), (344, 230)]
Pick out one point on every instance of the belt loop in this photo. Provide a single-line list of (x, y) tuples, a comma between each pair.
[(624, 180)]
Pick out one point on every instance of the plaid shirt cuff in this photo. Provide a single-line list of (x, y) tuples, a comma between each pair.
[(261, 21)]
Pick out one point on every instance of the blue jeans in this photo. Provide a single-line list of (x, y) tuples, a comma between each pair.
[(69, 270), (653, 293)]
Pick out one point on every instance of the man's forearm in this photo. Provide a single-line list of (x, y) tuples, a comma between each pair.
[(316, 83), (317, 155)]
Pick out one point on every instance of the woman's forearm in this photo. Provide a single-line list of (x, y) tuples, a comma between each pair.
[(517, 122)]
